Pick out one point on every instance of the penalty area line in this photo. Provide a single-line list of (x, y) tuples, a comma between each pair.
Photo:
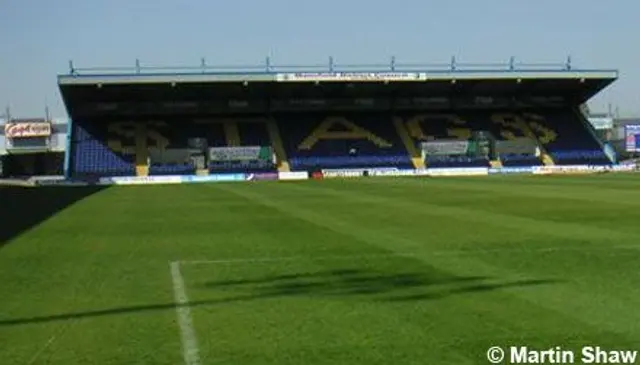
[(257, 260), (190, 350)]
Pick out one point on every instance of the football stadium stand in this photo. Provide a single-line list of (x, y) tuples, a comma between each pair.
[(156, 122)]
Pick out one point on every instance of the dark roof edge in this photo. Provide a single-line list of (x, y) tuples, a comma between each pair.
[(425, 76)]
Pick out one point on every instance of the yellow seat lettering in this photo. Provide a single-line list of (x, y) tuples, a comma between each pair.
[(351, 132), (537, 124), (455, 126), (512, 126), (122, 137)]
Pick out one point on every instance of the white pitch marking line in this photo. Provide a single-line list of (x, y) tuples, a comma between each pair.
[(257, 260), (290, 258), (46, 346), (190, 349)]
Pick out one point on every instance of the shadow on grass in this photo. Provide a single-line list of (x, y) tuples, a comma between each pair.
[(22, 208), (387, 287), (341, 284)]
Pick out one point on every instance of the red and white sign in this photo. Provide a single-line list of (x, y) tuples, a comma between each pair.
[(342, 173), (26, 130)]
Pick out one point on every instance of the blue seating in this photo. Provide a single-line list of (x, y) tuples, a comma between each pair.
[(92, 157), (560, 131), (516, 160), (581, 157), (456, 161), (314, 141), (254, 134), (346, 162), (172, 169), (574, 144)]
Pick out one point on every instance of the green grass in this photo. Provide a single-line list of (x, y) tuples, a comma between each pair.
[(372, 271)]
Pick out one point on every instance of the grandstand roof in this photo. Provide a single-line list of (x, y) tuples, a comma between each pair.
[(104, 91)]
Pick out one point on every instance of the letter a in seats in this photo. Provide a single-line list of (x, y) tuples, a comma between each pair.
[(351, 131)]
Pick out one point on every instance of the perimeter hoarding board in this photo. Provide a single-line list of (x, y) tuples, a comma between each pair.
[(632, 137)]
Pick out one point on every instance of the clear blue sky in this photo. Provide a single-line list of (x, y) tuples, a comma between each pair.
[(38, 37)]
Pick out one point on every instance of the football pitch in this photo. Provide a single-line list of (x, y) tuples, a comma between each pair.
[(374, 271)]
